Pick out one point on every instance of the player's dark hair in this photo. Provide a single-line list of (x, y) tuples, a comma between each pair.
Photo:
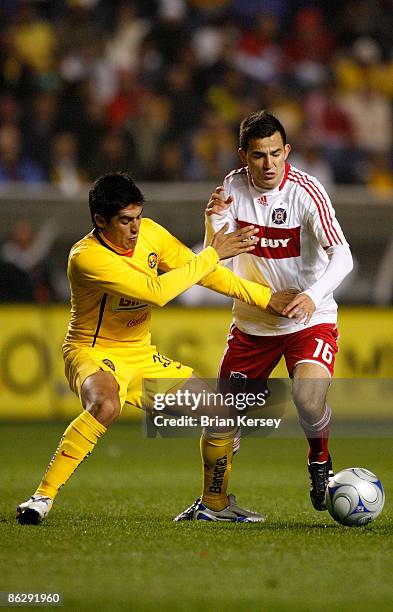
[(112, 192), (259, 125)]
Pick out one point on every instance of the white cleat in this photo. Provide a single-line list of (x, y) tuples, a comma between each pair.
[(231, 514), (34, 510)]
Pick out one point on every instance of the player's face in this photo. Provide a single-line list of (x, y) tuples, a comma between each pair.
[(265, 158), (122, 229)]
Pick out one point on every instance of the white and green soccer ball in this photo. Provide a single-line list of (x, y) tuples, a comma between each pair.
[(355, 497)]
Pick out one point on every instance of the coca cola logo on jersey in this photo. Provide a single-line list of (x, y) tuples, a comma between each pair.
[(279, 216)]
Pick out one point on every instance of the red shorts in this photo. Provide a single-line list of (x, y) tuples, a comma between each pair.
[(256, 356)]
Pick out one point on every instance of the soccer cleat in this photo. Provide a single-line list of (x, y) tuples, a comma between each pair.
[(320, 474), (34, 510), (231, 514)]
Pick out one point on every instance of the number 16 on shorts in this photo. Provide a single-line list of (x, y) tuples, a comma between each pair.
[(323, 351), (318, 344)]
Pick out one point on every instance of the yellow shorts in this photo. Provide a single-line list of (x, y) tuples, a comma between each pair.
[(139, 372)]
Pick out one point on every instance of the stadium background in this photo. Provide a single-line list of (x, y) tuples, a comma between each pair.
[(158, 89)]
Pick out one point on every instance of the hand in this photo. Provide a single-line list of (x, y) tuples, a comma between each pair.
[(279, 300), (301, 309), (240, 241), (217, 205)]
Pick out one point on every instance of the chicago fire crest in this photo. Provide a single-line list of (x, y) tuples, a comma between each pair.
[(279, 216)]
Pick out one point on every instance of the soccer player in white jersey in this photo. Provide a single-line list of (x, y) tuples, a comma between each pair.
[(301, 245)]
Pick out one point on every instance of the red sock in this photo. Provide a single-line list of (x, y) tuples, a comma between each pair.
[(318, 437), (319, 445)]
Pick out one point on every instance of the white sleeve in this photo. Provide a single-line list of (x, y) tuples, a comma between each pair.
[(322, 217), (214, 222), (340, 264)]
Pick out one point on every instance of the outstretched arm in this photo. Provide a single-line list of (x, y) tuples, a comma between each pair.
[(174, 254), (228, 283), (224, 281), (107, 270)]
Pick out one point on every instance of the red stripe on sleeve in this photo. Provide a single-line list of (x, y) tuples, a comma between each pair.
[(321, 204)]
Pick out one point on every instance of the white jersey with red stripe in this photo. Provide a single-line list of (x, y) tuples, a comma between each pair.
[(297, 226)]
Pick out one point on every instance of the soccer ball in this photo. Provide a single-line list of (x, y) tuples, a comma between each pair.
[(354, 497)]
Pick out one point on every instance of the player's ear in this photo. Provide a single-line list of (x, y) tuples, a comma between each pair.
[(243, 155), (99, 221), (287, 150)]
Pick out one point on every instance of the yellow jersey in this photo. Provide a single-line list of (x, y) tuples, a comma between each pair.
[(112, 293)]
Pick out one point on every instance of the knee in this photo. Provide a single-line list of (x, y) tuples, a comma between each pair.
[(307, 401), (103, 402), (104, 409)]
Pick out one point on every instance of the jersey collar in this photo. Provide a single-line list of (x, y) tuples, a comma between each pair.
[(109, 245), (285, 177)]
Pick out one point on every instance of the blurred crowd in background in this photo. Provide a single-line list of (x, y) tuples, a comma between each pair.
[(159, 87)]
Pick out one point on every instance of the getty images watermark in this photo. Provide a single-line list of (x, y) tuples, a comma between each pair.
[(210, 409)]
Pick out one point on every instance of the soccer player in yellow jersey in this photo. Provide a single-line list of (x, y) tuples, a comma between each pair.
[(107, 349)]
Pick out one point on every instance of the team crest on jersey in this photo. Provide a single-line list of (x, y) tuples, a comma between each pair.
[(110, 364), (279, 216), (152, 259)]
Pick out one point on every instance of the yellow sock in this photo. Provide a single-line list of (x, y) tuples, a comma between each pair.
[(217, 456), (77, 443)]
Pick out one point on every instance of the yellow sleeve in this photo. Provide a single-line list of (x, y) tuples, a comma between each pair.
[(174, 253), (105, 270), (224, 281)]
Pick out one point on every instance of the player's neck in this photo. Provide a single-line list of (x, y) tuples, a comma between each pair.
[(114, 247)]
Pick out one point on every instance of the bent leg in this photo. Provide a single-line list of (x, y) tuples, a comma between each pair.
[(100, 398)]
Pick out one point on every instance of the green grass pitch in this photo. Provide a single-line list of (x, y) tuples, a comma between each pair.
[(110, 543)]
